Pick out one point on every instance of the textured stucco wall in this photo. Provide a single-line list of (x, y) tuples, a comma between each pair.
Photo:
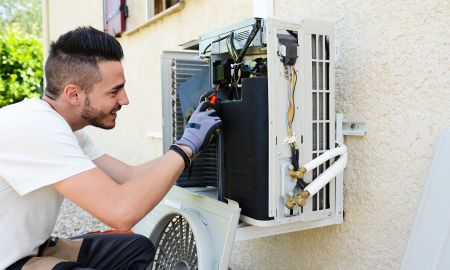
[(392, 69)]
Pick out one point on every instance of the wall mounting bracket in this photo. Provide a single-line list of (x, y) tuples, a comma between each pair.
[(353, 126)]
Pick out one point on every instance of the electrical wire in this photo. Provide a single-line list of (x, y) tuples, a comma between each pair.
[(238, 58), (239, 75), (250, 38), (290, 119), (231, 48), (251, 71), (291, 107), (233, 54), (217, 40)]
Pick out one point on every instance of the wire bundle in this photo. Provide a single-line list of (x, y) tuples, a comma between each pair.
[(291, 107), (291, 139)]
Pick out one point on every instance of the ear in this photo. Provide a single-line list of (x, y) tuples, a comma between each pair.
[(72, 94)]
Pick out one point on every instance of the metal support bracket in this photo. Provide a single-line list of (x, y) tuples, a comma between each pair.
[(353, 126)]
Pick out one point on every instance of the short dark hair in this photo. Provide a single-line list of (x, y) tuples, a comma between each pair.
[(74, 58)]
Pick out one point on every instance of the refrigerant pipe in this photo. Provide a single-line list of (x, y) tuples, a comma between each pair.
[(323, 179), (311, 165)]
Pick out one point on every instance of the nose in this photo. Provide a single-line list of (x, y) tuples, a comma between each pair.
[(123, 99)]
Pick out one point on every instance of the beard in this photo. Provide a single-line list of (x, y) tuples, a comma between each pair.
[(96, 117)]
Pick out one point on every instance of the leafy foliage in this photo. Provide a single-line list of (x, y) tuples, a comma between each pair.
[(21, 15), (21, 71)]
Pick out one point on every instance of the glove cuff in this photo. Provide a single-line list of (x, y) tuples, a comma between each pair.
[(188, 143), (183, 154)]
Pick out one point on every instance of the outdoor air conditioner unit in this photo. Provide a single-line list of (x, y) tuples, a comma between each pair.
[(281, 141)]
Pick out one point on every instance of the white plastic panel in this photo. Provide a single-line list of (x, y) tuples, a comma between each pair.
[(314, 122), (429, 241), (214, 224)]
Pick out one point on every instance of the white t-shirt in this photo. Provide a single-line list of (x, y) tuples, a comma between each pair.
[(37, 149)]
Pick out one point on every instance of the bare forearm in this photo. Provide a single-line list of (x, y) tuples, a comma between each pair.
[(145, 191), (121, 206), (121, 172), (138, 170)]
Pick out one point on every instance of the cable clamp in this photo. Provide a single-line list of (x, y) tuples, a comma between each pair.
[(291, 139)]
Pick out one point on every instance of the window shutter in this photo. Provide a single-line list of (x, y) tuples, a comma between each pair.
[(115, 13)]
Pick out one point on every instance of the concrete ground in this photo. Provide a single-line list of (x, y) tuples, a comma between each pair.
[(73, 220)]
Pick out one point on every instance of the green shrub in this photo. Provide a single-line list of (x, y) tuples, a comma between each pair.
[(21, 70)]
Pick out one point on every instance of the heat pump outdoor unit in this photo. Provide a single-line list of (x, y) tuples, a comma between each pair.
[(277, 165)]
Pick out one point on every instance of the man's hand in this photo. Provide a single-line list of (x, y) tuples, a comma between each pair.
[(201, 128)]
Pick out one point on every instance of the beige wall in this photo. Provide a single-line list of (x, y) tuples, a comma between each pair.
[(61, 16), (392, 69)]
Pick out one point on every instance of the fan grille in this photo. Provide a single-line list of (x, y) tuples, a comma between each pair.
[(176, 247)]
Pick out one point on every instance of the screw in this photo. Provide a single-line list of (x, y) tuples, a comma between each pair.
[(204, 222)]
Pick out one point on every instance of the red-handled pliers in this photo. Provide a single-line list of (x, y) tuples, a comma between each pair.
[(210, 96)]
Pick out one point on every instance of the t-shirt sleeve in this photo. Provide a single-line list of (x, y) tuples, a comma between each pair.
[(87, 145), (42, 150)]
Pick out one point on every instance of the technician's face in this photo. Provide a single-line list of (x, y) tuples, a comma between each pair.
[(106, 97)]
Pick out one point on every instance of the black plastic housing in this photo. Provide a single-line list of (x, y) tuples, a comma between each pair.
[(222, 72), (245, 148)]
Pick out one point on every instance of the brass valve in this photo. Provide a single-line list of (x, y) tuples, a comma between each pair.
[(296, 174), (299, 199), (291, 202)]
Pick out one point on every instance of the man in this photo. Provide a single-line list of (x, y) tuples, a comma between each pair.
[(45, 156)]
